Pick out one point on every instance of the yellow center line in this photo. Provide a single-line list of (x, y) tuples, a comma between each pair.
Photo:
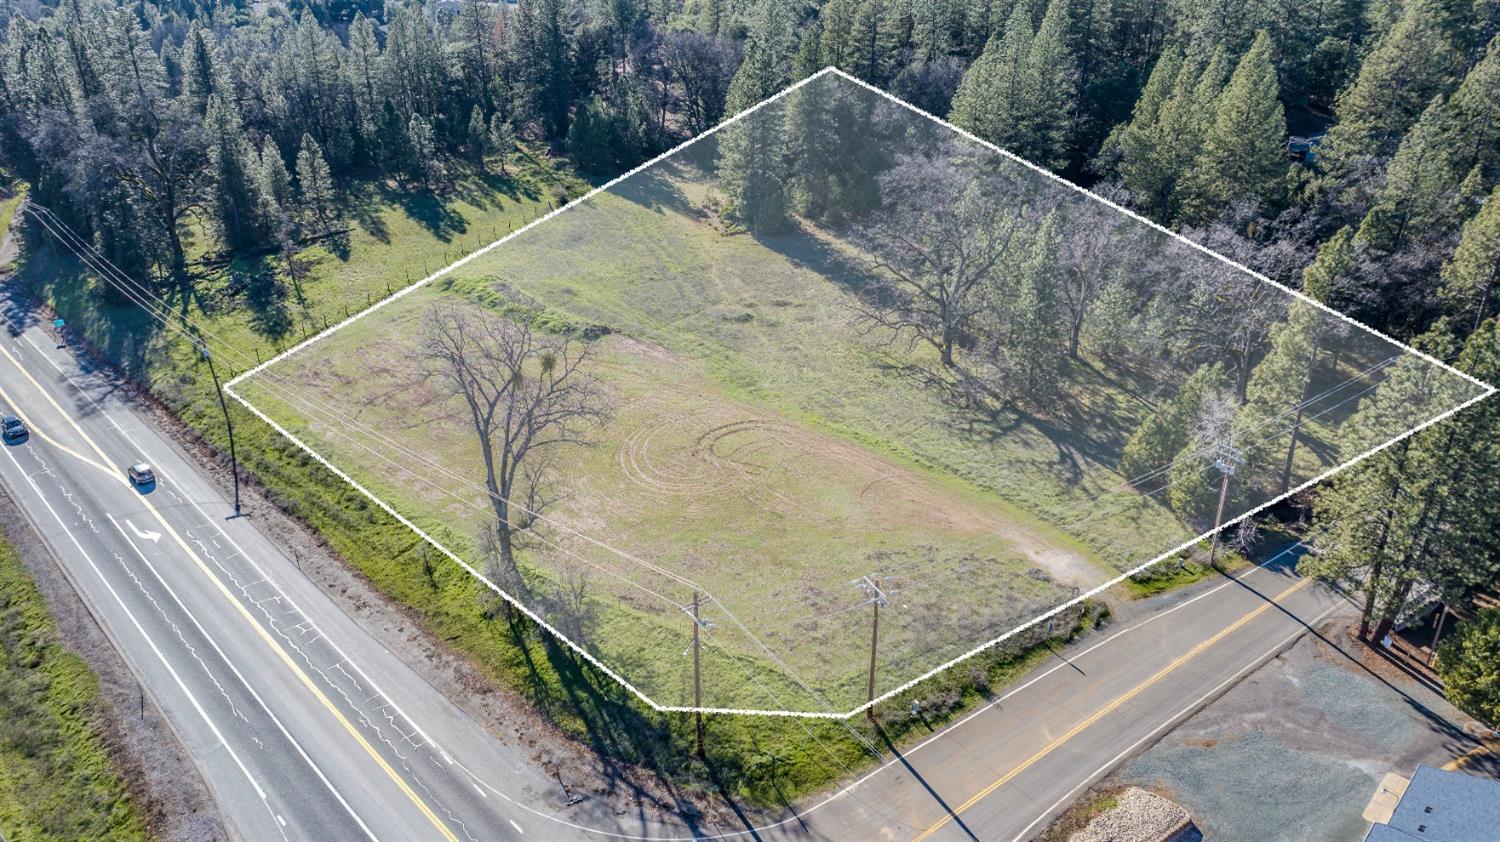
[(35, 429), (244, 612), (1108, 709)]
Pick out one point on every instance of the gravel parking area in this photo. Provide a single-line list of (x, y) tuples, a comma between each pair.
[(1295, 751)]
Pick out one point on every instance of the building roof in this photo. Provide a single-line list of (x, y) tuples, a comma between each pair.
[(1440, 806)]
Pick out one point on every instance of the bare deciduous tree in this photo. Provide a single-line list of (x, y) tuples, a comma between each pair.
[(1091, 262), (527, 394), (938, 236), (703, 65)]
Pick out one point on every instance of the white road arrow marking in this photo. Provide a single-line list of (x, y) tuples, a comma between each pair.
[(154, 537)]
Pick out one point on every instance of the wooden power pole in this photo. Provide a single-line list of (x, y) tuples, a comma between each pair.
[(876, 596)]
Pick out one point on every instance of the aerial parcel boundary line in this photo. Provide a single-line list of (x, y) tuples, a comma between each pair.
[(1486, 390)]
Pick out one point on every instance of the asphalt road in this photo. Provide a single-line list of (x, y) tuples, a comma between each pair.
[(305, 727), (301, 723), (1008, 768)]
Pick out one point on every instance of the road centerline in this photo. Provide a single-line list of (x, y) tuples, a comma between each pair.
[(276, 648), (1109, 708)]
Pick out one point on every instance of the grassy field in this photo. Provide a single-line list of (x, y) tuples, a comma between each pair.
[(771, 515), (396, 236), (56, 777), (759, 445), (764, 763), (762, 444)]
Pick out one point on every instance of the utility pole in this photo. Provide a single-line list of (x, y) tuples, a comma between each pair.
[(875, 596), (1227, 461), (234, 462), (698, 623), (1437, 635)]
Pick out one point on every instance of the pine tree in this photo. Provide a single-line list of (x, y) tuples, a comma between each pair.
[(991, 98), (275, 182), (1415, 184), (236, 201), (1132, 152), (423, 162), (1421, 509), (1164, 433), (932, 29), (315, 182), (1034, 342), (1194, 479), (1159, 148), (1469, 278), (589, 138), (1244, 150), (1335, 261), (362, 68), (809, 56), (540, 33), (1052, 96), (1276, 395), (1104, 329), (1410, 65), (200, 77), (1469, 664), (500, 141), (476, 135), (413, 65), (871, 51), (768, 53), (1453, 137), (473, 36), (836, 23), (753, 170)]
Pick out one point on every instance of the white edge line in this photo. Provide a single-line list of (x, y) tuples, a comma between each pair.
[(1487, 391), (1172, 721), (181, 685), (317, 770)]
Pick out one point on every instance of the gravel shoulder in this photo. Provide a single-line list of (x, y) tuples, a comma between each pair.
[(157, 770)]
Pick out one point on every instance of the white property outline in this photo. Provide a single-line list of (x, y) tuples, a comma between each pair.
[(1486, 390)]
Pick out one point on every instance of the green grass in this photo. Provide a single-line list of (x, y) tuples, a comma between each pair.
[(56, 777), (838, 464), (762, 443), (762, 762), (776, 523), (255, 306), (10, 199)]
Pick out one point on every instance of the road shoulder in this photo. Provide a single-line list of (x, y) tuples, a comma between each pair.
[(152, 762)]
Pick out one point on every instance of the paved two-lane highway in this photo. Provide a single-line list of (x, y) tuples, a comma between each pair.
[(306, 727), (303, 725)]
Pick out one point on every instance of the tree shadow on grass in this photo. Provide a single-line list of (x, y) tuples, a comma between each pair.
[(657, 189), (361, 204), (256, 282), (485, 189), (806, 249), (622, 738)]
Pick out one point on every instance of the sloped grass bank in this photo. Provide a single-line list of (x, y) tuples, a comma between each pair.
[(57, 780)]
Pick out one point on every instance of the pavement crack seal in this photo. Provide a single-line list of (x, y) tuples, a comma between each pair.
[(140, 585), (304, 624)]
